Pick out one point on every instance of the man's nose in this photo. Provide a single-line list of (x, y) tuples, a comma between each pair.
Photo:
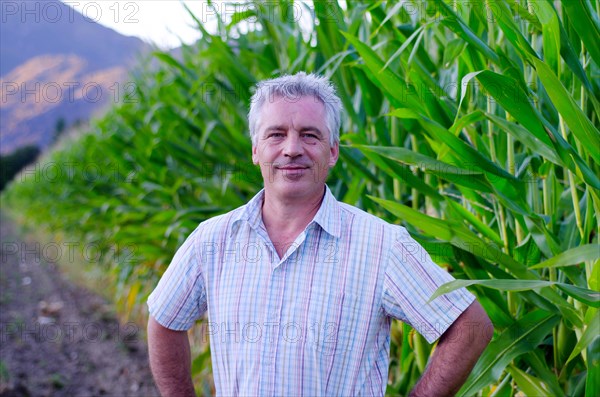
[(293, 145)]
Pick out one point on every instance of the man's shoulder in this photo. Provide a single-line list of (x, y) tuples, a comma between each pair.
[(218, 224)]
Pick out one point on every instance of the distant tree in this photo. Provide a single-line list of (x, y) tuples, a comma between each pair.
[(59, 128), (14, 162)]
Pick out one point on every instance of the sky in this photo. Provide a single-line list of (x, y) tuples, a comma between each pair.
[(163, 22), (167, 23)]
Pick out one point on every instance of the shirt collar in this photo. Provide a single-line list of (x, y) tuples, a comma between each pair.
[(328, 216), (251, 212)]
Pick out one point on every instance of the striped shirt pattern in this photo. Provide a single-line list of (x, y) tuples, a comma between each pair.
[(315, 322)]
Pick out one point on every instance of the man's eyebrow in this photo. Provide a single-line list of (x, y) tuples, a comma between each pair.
[(281, 127), (276, 128), (311, 128)]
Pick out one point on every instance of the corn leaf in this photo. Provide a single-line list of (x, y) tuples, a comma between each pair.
[(520, 338)]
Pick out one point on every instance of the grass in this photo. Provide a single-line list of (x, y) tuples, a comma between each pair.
[(4, 374)]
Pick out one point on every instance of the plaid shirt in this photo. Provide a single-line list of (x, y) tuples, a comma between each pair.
[(315, 322)]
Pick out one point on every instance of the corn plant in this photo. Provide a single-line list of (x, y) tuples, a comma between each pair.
[(474, 124)]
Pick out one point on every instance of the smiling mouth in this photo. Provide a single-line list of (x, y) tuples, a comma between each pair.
[(292, 167)]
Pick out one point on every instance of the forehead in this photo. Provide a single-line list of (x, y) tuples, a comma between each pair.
[(295, 109)]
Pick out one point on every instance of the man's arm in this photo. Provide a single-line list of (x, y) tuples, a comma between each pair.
[(170, 361), (457, 352)]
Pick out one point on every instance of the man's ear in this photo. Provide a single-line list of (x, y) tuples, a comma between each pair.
[(254, 156), (335, 153)]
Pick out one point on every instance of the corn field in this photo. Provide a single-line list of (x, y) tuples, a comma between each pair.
[(473, 124)]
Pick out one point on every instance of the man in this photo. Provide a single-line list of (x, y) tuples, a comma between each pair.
[(300, 289)]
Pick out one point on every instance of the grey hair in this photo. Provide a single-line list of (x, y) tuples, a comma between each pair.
[(294, 87)]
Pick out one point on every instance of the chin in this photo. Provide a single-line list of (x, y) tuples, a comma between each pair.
[(294, 189)]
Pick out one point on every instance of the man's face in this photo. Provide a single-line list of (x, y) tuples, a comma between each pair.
[(292, 147)]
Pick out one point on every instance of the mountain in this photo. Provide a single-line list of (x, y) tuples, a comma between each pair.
[(57, 67)]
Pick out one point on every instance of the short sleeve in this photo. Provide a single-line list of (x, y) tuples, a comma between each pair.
[(179, 299), (411, 277)]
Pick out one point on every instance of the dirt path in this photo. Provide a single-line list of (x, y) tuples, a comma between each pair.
[(57, 339)]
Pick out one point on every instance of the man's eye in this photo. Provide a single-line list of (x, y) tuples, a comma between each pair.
[(312, 136), (275, 135)]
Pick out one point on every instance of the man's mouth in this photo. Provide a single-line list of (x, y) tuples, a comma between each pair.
[(292, 167)]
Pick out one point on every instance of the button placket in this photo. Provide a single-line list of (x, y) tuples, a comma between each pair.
[(272, 316), (271, 327), (273, 298)]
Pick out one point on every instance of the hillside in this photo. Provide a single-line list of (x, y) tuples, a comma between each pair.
[(56, 64)]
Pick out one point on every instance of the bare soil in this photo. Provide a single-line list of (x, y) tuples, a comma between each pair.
[(58, 339)]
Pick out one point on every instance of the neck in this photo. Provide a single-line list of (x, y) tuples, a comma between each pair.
[(286, 219)]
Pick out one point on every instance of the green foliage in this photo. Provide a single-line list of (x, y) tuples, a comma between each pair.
[(475, 124)]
